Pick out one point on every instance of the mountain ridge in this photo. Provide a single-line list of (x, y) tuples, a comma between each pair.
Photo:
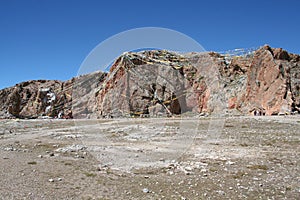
[(164, 83)]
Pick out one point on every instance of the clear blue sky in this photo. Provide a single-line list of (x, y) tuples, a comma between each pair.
[(49, 39)]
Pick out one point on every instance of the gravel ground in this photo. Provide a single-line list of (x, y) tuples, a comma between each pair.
[(161, 158)]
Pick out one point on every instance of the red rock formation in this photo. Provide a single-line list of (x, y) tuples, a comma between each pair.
[(161, 83), (269, 84)]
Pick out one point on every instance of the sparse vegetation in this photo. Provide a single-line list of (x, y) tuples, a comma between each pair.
[(32, 163), (89, 174), (68, 164), (258, 167), (239, 174)]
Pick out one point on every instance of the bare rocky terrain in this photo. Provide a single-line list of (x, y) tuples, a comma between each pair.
[(151, 158), (158, 125), (263, 81)]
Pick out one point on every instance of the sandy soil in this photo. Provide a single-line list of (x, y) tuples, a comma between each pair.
[(173, 158)]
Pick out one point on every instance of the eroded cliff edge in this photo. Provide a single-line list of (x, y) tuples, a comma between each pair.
[(162, 83)]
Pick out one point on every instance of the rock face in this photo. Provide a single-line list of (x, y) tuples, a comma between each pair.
[(31, 99), (84, 92), (147, 83), (273, 82), (47, 98), (162, 83), (261, 82)]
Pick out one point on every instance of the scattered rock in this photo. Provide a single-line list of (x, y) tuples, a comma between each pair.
[(221, 192), (72, 148), (51, 180), (229, 162), (146, 190)]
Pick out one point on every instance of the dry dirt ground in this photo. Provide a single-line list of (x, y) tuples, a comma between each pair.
[(162, 158)]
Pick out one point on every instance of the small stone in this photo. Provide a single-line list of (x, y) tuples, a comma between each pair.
[(146, 177), (51, 180), (40, 156), (221, 192), (229, 162), (187, 173), (146, 190), (59, 179), (203, 170), (188, 169), (51, 154), (127, 192)]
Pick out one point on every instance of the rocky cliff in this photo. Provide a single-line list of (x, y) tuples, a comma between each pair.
[(162, 83), (48, 98)]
